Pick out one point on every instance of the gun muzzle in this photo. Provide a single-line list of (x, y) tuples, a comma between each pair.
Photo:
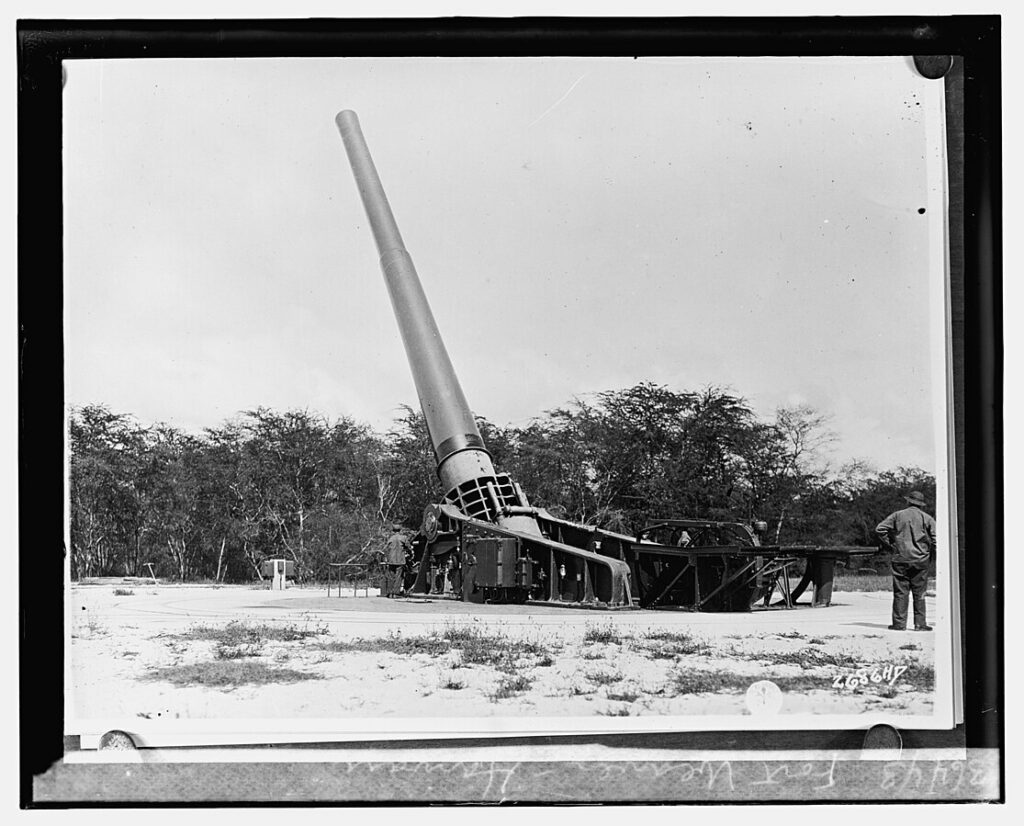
[(458, 447)]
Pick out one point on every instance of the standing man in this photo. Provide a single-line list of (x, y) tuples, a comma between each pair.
[(910, 535), (394, 552)]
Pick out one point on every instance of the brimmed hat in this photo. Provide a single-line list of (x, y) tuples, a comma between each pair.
[(915, 497)]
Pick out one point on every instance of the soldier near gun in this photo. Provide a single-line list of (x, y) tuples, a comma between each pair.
[(395, 550), (910, 534)]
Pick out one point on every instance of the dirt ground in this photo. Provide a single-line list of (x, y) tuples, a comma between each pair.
[(150, 652)]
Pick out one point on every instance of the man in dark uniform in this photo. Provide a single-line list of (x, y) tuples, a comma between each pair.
[(910, 535), (394, 562)]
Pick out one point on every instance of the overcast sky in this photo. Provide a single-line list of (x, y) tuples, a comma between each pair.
[(579, 225)]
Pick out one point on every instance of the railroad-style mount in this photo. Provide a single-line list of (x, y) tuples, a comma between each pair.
[(499, 548)]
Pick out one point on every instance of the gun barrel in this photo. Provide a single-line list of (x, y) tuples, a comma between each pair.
[(458, 447)]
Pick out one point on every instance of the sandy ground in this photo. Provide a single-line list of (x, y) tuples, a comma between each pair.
[(125, 650)]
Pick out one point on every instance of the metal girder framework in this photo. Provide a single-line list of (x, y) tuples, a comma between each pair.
[(727, 580), (742, 574), (664, 584), (775, 573)]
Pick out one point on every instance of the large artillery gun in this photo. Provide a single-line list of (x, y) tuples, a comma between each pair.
[(486, 525), (486, 540)]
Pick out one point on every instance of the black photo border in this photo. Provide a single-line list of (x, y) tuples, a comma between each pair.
[(975, 164)]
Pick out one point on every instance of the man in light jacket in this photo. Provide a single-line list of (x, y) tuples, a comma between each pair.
[(910, 535)]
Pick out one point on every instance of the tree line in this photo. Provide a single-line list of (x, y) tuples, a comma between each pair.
[(306, 487)]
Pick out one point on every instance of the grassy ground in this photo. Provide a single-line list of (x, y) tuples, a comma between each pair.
[(179, 653), (858, 581), (851, 581), (624, 669)]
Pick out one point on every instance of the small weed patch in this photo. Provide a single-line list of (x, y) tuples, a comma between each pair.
[(661, 635), (708, 682), (90, 628), (244, 633), (618, 711), (805, 658), (919, 676), (476, 647), (603, 677), (123, 592), (511, 685), (480, 648), (220, 674), (660, 652), (238, 640), (812, 658), (237, 652), (452, 683), (625, 695), (666, 645), (803, 682), (392, 644), (602, 633)]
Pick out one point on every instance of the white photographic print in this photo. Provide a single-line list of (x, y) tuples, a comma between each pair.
[(616, 403)]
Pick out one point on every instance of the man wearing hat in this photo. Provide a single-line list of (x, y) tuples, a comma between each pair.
[(910, 535)]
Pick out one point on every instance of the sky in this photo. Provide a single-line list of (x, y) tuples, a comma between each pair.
[(579, 225)]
